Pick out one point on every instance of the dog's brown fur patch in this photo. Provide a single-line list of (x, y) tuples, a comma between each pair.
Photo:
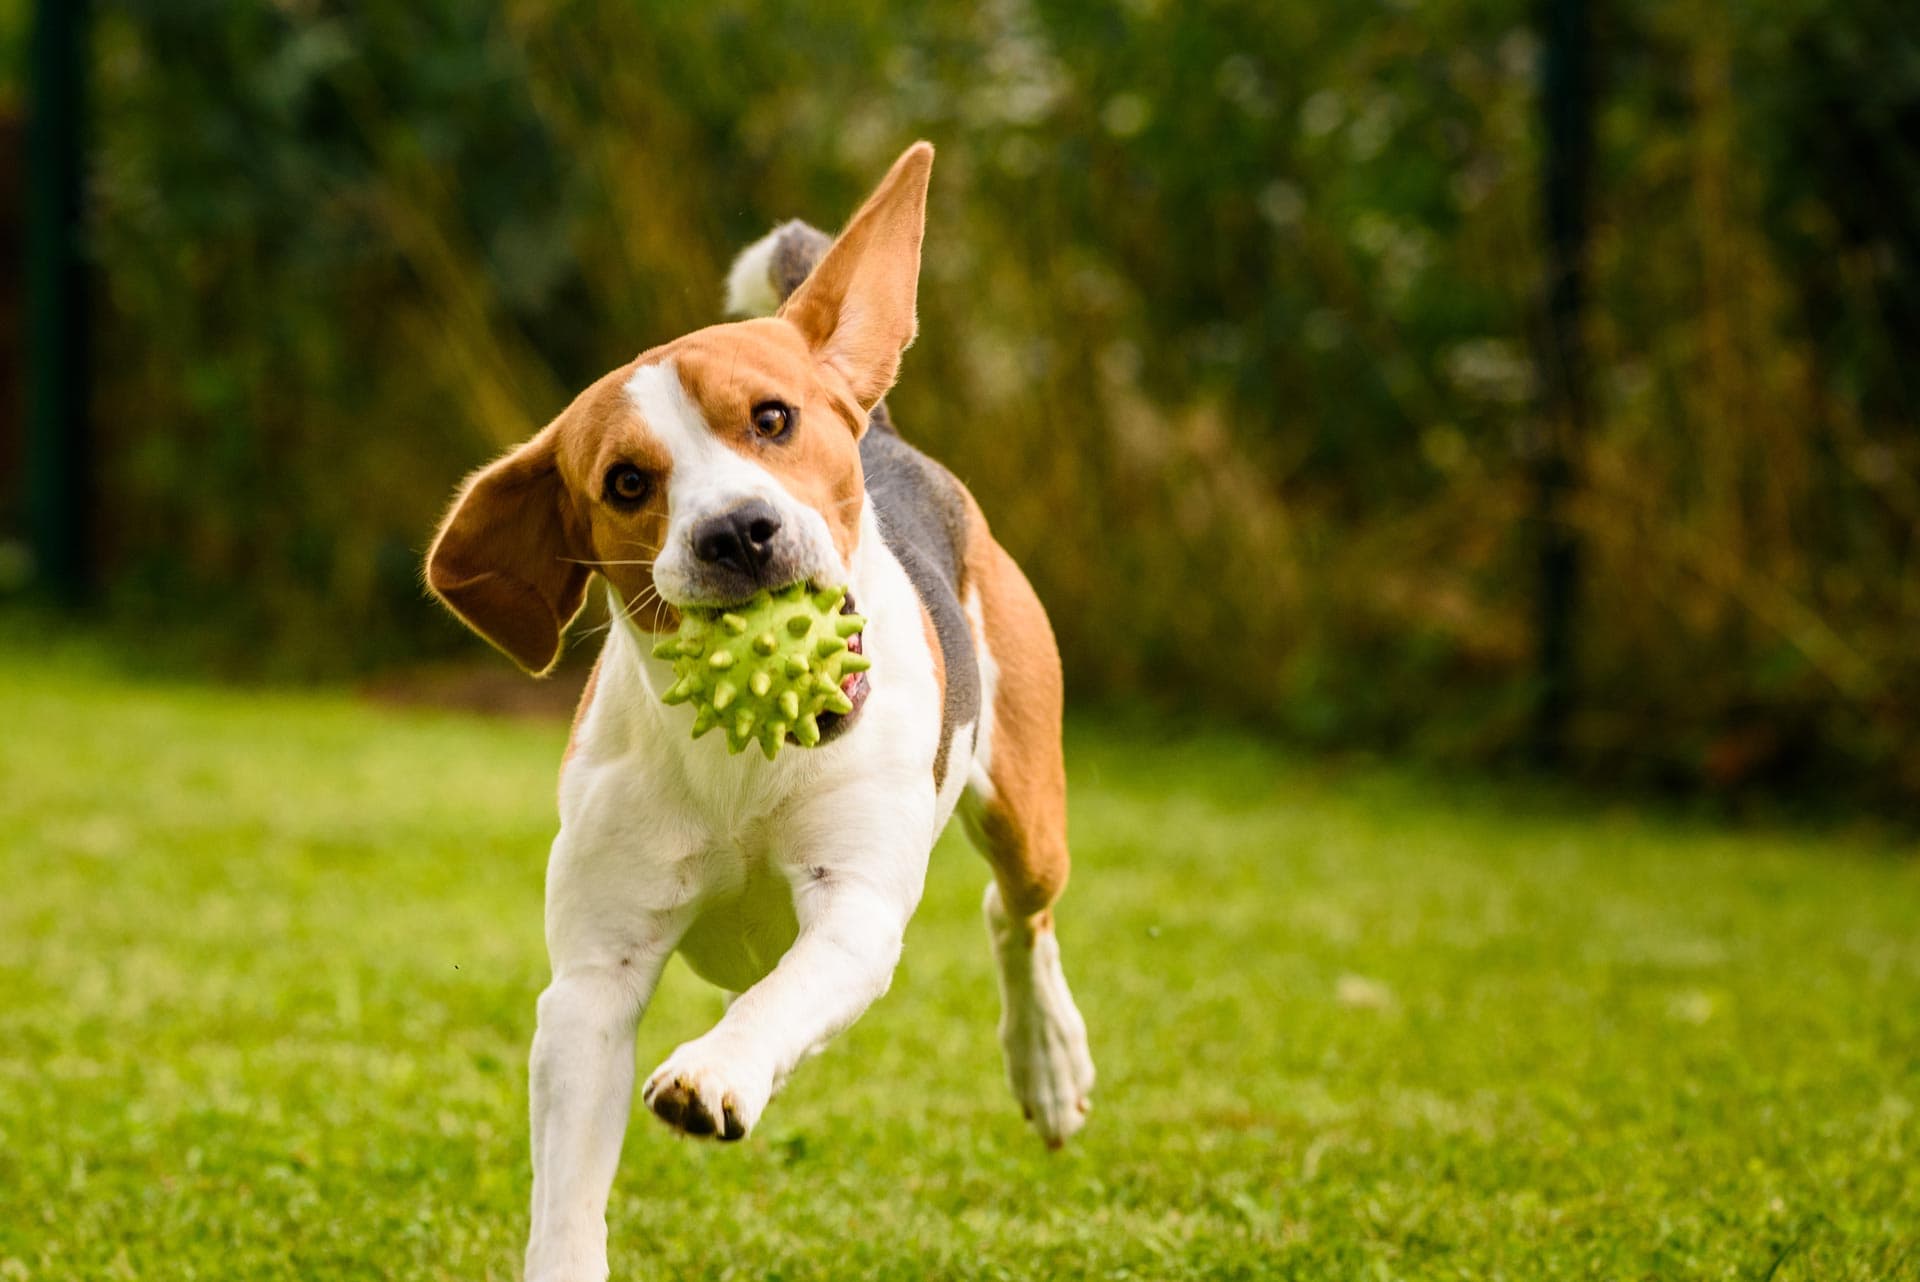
[(1023, 826), (580, 713)]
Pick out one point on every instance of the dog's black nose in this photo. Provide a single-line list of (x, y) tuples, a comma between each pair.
[(739, 540)]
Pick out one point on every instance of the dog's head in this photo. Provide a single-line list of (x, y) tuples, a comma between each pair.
[(718, 464)]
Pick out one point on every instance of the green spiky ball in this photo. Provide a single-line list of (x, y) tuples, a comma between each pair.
[(765, 667)]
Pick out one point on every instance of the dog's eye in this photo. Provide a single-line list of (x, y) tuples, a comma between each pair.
[(627, 485), (772, 420)]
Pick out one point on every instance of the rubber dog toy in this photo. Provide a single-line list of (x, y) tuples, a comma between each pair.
[(767, 667)]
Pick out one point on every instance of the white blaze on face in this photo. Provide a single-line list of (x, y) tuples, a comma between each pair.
[(709, 478)]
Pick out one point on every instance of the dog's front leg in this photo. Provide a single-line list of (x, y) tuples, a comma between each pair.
[(841, 961), (582, 1086)]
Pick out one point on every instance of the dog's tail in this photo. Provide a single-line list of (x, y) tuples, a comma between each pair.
[(772, 267)]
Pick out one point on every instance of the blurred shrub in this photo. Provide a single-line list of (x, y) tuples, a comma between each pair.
[(1225, 317), (13, 52)]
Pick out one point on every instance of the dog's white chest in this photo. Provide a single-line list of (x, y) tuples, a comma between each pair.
[(746, 925)]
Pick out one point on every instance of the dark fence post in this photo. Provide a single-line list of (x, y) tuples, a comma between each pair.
[(59, 454), (1566, 97)]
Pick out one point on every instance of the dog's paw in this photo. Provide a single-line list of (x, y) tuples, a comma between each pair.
[(1045, 1042), (1042, 1034), (700, 1092), (1049, 1066)]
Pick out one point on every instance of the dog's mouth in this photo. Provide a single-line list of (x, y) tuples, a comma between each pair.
[(855, 686)]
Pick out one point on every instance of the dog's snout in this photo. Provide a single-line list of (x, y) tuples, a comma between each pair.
[(739, 540)]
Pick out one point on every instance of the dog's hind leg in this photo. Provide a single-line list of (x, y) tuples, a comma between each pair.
[(1015, 811)]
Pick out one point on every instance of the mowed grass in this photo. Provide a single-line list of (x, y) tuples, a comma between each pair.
[(268, 964)]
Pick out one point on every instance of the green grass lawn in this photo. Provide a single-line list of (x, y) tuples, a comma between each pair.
[(268, 964)]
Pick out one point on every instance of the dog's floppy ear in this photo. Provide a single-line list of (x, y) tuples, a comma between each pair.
[(856, 308), (505, 558)]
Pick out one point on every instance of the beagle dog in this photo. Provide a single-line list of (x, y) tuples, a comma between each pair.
[(752, 455)]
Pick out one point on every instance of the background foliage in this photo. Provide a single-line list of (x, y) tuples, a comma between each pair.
[(1226, 317)]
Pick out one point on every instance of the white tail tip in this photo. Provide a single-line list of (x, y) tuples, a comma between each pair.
[(750, 287)]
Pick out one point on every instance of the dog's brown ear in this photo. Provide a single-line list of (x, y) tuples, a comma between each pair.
[(856, 308), (505, 558)]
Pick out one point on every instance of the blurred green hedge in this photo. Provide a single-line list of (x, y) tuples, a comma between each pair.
[(1226, 318)]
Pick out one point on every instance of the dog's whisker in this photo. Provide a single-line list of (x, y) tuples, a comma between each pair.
[(628, 612)]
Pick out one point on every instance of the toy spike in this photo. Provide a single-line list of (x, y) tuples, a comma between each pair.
[(760, 683), (721, 659), (855, 663), (668, 649), (799, 625), (723, 694), (789, 705), (807, 731), (848, 624), (704, 720), (827, 600), (766, 643), (829, 646)]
